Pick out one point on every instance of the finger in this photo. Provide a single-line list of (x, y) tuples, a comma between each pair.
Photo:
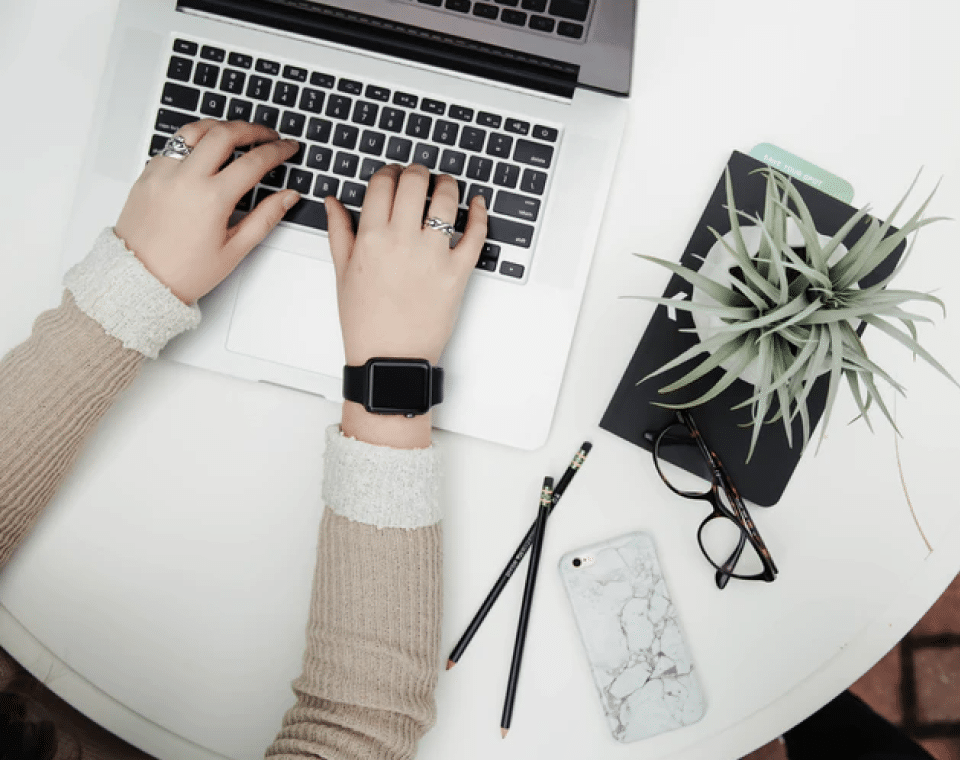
[(221, 139), (467, 251), (250, 232), (238, 178), (443, 205), (340, 232), (378, 202), (411, 197)]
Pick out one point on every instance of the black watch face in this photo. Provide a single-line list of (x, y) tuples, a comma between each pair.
[(399, 387)]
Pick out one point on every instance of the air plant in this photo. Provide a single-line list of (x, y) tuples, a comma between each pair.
[(793, 313)]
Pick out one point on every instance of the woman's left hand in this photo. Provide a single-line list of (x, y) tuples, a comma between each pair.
[(177, 214)]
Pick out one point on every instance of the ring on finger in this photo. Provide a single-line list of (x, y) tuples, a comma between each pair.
[(440, 226), (176, 147)]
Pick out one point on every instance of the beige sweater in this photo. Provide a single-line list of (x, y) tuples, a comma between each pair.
[(372, 653)]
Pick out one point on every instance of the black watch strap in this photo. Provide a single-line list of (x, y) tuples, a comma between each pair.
[(356, 383)]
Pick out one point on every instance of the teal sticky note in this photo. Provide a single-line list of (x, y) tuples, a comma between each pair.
[(796, 167)]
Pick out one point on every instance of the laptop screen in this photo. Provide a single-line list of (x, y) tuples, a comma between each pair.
[(551, 46)]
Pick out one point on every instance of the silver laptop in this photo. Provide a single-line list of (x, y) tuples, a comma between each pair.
[(521, 100)]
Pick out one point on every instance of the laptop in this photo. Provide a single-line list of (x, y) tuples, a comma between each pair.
[(523, 101)]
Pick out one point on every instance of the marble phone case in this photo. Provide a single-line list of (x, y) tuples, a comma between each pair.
[(631, 633)]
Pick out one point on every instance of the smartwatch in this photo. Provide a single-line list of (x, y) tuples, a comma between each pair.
[(394, 386)]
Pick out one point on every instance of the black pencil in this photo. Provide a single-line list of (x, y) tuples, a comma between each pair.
[(546, 502), (514, 562)]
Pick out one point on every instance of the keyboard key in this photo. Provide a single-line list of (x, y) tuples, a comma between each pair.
[(232, 81), (508, 231), (436, 3), (305, 212), (275, 177), (485, 119), (516, 18), (286, 94), (365, 113), (566, 29), (472, 139), (479, 168), (240, 110), (206, 75), (377, 93), (545, 133), (538, 154), (511, 270), (300, 180), (295, 73), (426, 155), (484, 190), (157, 143), (485, 10), (353, 193), (488, 257), (461, 190), (345, 164), (259, 88), (445, 132), (179, 69), (461, 113), (506, 175), (433, 106), (519, 206), (179, 96), (267, 115), (240, 61), (419, 125), (319, 130), (185, 47), (391, 119), (511, 3), (292, 123), (405, 99), (499, 145), (533, 182), (463, 6), (311, 100), (345, 136), (318, 79), (326, 186), (398, 149), (246, 202), (268, 67), (542, 23), (575, 10), (452, 162), (319, 157), (517, 127), (297, 158), (372, 142), (350, 86), (338, 107), (213, 104), (369, 167), (537, 6), (213, 53)]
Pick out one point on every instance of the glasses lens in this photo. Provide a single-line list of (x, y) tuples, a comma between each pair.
[(681, 462), (720, 539)]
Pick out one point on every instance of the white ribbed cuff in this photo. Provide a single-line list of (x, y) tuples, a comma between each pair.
[(112, 287), (379, 485)]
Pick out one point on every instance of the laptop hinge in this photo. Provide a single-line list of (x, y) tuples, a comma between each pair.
[(393, 38)]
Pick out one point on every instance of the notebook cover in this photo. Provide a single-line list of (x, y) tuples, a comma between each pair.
[(630, 412)]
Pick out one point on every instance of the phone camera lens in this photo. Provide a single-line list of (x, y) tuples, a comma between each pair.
[(577, 562)]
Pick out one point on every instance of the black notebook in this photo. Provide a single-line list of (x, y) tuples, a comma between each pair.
[(630, 413)]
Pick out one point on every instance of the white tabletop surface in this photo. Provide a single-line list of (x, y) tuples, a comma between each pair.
[(165, 590)]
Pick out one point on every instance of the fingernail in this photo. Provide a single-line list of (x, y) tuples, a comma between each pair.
[(290, 200), (483, 201)]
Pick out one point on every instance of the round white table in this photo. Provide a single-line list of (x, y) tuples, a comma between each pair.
[(164, 593)]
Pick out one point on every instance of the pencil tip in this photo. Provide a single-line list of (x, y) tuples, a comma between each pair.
[(504, 732), (450, 664)]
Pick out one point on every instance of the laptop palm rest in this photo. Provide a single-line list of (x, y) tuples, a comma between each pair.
[(286, 312)]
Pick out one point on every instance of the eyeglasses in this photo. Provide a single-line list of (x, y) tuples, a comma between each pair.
[(727, 537)]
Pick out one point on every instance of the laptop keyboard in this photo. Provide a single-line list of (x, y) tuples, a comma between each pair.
[(563, 18), (349, 128)]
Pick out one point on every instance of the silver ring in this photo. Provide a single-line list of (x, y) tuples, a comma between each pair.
[(177, 148), (440, 226)]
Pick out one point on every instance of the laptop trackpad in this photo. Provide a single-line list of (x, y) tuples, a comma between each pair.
[(286, 312)]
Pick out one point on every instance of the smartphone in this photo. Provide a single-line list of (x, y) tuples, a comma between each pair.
[(632, 637)]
